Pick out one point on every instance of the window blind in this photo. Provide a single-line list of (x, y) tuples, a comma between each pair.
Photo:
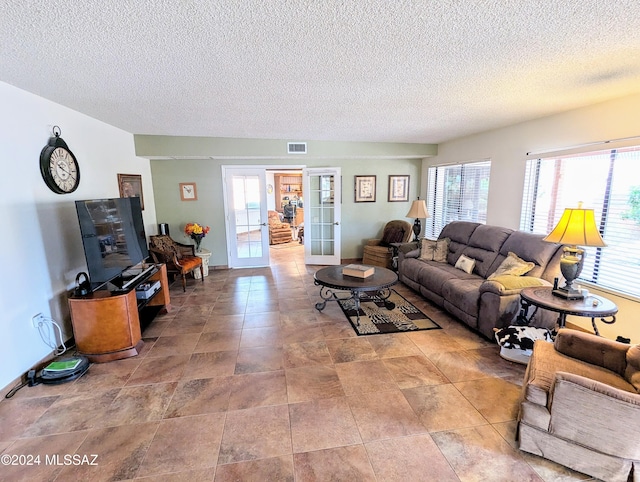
[(457, 193), (605, 181)]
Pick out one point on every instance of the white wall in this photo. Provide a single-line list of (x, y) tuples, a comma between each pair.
[(507, 148), (41, 244)]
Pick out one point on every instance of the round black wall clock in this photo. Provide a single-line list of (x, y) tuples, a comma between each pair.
[(58, 166)]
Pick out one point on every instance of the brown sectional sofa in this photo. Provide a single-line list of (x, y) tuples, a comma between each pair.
[(480, 303)]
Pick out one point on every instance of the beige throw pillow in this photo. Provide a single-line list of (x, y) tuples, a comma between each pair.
[(431, 250), (465, 263), (513, 265)]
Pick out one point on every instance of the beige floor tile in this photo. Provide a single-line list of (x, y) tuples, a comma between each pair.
[(182, 326), (351, 349), (18, 414), (311, 383), (174, 345), (260, 320), (41, 455), (266, 336), (460, 366), (182, 444), (273, 469), (120, 452), (200, 396), (201, 475), (159, 369), (258, 389), (219, 341), (415, 457), (364, 377), (333, 415), (393, 345), (414, 371), (224, 323), (480, 453), (496, 399), (433, 342), (137, 404), (259, 359), (256, 433), (211, 364), (442, 407), (341, 463), (306, 354), (382, 415)]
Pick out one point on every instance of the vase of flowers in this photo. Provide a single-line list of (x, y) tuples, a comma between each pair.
[(196, 232)]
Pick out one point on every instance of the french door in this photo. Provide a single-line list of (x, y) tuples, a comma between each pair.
[(246, 214), (322, 194)]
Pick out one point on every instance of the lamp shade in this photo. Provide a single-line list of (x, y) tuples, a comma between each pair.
[(576, 227), (418, 209)]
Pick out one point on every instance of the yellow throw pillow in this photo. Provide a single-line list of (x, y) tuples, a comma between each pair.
[(513, 282), (431, 250), (465, 263), (513, 265)]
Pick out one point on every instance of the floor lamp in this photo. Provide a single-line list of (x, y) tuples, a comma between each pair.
[(418, 210)]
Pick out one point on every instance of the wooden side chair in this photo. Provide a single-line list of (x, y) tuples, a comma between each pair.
[(179, 258)]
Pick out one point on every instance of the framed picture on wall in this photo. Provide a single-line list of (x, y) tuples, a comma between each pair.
[(398, 188), (365, 187), (188, 191), (130, 185)]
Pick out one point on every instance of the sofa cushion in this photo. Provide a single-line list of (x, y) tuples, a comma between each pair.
[(529, 247), (512, 265), (459, 232), (431, 250), (465, 263), (464, 293)]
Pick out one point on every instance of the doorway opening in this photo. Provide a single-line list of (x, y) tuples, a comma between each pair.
[(285, 204)]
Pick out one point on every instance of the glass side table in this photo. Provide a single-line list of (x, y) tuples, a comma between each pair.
[(204, 254)]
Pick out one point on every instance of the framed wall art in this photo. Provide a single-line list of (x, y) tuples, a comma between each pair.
[(130, 185), (365, 187), (188, 191), (398, 188)]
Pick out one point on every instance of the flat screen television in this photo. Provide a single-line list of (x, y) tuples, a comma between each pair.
[(114, 241)]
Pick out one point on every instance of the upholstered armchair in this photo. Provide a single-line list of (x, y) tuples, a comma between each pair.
[(279, 232), (180, 258), (580, 405), (378, 252)]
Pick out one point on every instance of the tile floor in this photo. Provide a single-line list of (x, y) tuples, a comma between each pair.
[(245, 380)]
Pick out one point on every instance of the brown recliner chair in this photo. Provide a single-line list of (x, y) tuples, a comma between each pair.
[(378, 252), (279, 232), (580, 405), (180, 258)]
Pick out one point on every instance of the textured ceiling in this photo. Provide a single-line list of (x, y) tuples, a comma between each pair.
[(376, 70)]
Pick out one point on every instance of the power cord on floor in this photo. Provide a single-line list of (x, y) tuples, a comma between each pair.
[(45, 326)]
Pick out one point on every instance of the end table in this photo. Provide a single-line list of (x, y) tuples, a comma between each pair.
[(204, 254), (591, 306)]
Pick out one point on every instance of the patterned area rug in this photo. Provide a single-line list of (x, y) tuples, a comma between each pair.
[(376, 319)]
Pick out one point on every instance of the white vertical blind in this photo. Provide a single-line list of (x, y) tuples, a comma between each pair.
[(605, 181), (457, 193)]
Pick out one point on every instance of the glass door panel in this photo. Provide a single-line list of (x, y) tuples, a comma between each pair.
[(322, 225)]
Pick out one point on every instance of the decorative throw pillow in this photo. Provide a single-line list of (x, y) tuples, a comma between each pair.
[(431, 250), (392, 235), (513, 265), (632, 373), (465, 263)]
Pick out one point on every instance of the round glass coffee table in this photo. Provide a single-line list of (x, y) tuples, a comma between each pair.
[(375, 287)]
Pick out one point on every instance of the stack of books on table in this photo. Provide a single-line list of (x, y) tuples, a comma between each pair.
[(358, 271)]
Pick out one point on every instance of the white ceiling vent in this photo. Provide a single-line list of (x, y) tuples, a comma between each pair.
[(296, 147)]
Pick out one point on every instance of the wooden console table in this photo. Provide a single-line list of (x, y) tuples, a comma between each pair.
[(106, 325)]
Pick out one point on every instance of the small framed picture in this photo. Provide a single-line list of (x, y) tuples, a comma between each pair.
[(398, 188), (130, 185), (365, 187), (188, 191)]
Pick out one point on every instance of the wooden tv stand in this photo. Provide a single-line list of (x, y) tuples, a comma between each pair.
[(106, 324)]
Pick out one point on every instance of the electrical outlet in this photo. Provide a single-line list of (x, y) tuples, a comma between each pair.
[(37, 320)]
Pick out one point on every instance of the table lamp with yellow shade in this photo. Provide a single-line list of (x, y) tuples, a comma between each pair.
[(577, 226)]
